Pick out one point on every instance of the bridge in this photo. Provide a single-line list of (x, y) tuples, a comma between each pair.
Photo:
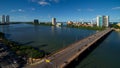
[(65, 56)]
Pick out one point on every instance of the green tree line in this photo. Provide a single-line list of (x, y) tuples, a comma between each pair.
[(20, 50)]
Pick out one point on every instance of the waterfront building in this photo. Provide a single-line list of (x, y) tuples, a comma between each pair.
[(82, 21), (53, 21), (69, 23), (91, 23), (36, 21), (99, 21), (59, 24), (7, 19), (3, 19), (102, 21), (105, 21)]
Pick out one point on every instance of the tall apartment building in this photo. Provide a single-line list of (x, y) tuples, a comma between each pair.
[(36, 21), (7, 19), (53, 21), (102, 21), (3, 18), (106, 21)]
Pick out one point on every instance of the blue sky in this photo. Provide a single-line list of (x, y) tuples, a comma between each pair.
[(63, 10)]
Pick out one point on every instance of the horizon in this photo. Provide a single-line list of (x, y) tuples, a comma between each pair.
[(62, 10)]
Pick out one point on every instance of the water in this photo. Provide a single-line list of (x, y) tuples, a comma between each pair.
[(106, 55), (47, 38), (50, 39)]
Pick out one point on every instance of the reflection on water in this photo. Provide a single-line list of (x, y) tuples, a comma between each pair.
[(4, 28), (119, 34)]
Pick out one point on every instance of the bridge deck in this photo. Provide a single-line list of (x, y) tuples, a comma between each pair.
[(65, 56)]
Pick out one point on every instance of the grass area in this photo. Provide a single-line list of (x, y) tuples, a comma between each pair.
[(87, 27), (115, 26)]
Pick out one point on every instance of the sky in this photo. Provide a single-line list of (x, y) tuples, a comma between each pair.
[(62, 10)]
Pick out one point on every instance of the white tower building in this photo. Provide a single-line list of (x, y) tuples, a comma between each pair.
[(53, 21)]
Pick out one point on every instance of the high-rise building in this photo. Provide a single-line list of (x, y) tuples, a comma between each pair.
[(3, 19), (99, 21), (53, 21), (36, 21), (102, 21), (7, 19), (105, 21)]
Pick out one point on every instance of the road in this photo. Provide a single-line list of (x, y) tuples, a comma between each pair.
[(65, 56)]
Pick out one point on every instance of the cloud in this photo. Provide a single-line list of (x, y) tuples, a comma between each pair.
[(13, 10), (43, 3), (79, 9), (33, 9), (17, 10), (116, 8), (89, 9), (49, 16), (56, 1), (33, 0), (20, 10)]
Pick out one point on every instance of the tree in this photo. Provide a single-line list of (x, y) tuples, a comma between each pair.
[(2, 35), (115, 26), (35, 54)]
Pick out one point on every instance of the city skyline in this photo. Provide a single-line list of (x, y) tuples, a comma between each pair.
[(5, 19), (63, 10), (103, 21)]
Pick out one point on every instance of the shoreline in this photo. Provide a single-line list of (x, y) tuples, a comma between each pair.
[(71, 26), (117, 30), (26, 55)]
